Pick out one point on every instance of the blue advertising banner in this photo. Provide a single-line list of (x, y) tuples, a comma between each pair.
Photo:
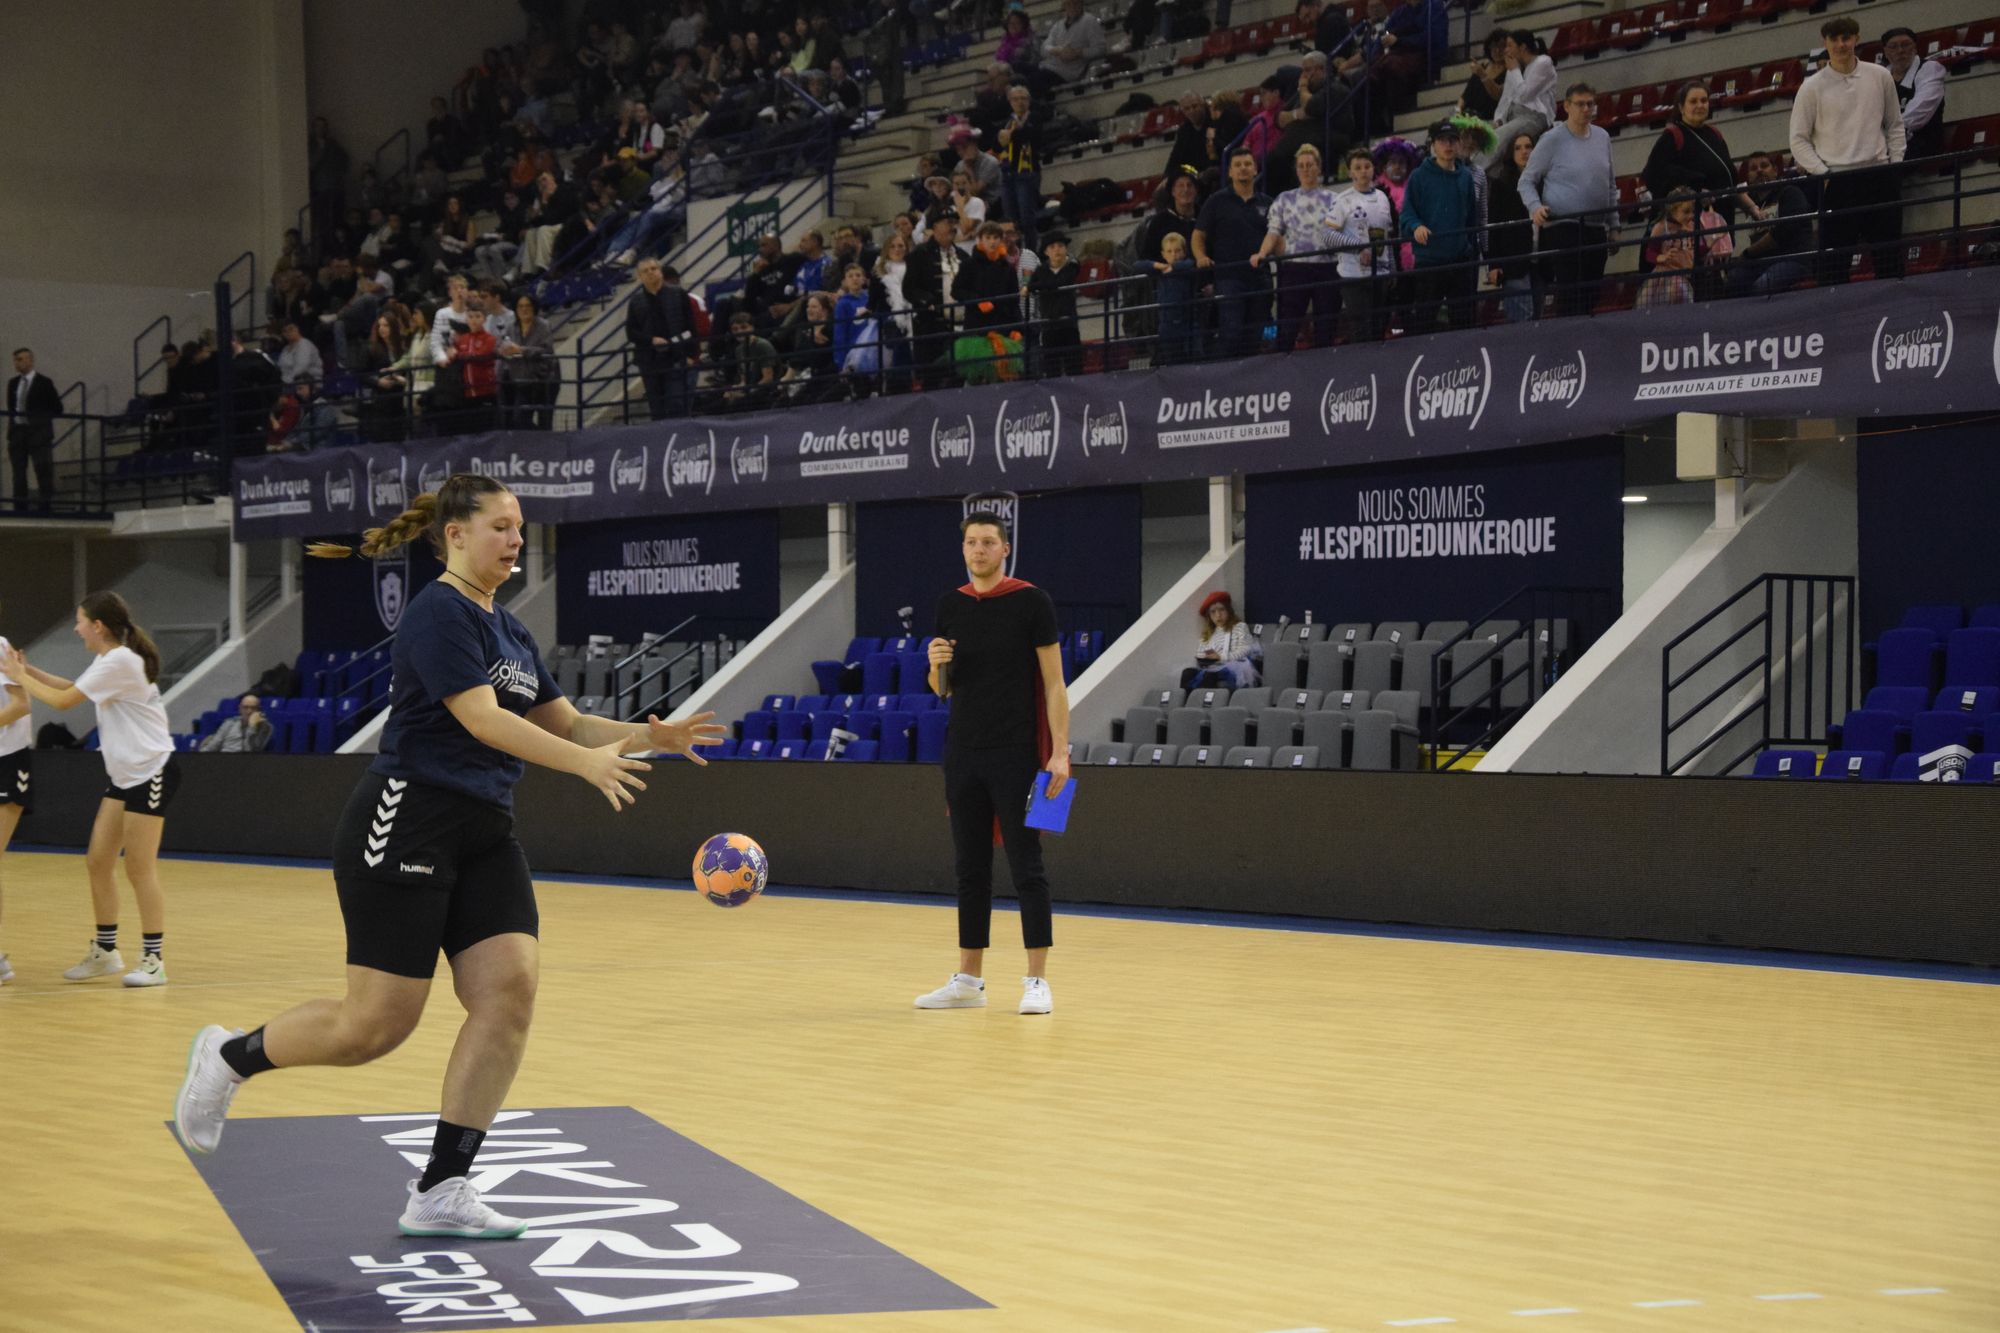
[(635, 577), (1434, 541), (1921, 343)]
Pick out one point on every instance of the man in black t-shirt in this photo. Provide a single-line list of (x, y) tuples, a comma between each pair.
[(995, 658)]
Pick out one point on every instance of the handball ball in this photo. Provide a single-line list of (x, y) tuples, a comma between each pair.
[(730, 869)]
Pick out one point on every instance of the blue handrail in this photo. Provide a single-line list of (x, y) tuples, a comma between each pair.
[(138, 375), (247, 295)]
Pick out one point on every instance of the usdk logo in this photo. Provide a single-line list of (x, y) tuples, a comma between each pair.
[(386, 493), (1447, 393), (1920, 347), (392, 588), (951, 441), (750, 460), (1557, 382), (690, 466), (1106, 432), (340, 490), (628, 471), (1028, 434), (1349, 406)]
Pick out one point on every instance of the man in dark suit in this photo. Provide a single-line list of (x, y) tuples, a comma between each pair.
[(660, 324), (32, 407)]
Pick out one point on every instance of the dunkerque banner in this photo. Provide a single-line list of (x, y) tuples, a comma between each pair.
[(1925, 344)]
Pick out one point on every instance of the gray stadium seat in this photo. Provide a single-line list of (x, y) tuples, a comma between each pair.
[(1207, 698), (1303, 701), (1161, 697), (1553, 631), (563, 650), (1248, 756), (1226, 726), (569, 676), (1397, 631), (1349, 702), (1403, 703), (1416, 674), (1200, 756), (1184, 726), (593, 705), (1495, 629), (1382, 743), (1109, 753), (1374, 664), (1444, 629), (1326, 667), (1514, 689), (1256, 699), (1304, 633), (1324, 732), (1281, 666), (1154, 756), (596, 677), (1348, 633), (1295, 756), (1277, 726), (1142, 726), (1472, 680)]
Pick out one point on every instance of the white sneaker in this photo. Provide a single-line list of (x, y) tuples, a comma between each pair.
[(150, 972), (1035, 997), (961, 992), (206, 1092), (453, 1208), (97, 963), (6, 970)]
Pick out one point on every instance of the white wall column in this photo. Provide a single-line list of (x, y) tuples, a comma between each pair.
[(239, 577), (839, 537)]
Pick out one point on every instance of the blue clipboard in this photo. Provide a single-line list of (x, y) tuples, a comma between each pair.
[(1050, 816)]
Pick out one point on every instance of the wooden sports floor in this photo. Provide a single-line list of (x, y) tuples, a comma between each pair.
[(1221, 1128)]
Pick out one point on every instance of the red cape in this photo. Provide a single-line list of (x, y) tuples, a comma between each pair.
[(1044, 746)]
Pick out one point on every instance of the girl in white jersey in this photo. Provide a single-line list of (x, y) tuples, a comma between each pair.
[(138, 755), (15, 733)]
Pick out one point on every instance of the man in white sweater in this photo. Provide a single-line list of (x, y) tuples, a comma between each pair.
[(1847, 129)]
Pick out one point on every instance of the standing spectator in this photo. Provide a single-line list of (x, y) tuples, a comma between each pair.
[(249, 732), (1194, 147), (1776, 260), (1226, 236), (33, 404), (257, 389), (687, 28), (1691, 154), (1179, 203), (857, 333), (1328, 25), (1571, 191), (1226, 122), (415, 367), (1686, 245), (1847, 130), (1053, 287), (1919, 91), (530, 371), (1510, 237), (884, 45), (300, 359), (382, 411), (986, 289), (968, 202), (450, 319), (1395, 159), (1301, 126), (476, 353), (660, 325), (1362, 222), (892, 272), (1072, 43), (1021, 164), (1527, 102), (1177, 284), (1308, 280), (1440, 214), (933, 271), (1018, 49)]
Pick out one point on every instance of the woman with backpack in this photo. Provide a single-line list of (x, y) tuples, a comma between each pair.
[(1690, 154)]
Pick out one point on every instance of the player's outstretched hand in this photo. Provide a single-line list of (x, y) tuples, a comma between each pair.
[(682, 737), (613, 774)]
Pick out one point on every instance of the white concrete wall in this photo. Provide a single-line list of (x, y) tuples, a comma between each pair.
[(1603, 715), (1656, 535), (277, 637), (779, 660), (1153, 651)]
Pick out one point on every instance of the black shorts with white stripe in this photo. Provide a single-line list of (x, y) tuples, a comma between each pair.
[(151, 797), (17, 770)]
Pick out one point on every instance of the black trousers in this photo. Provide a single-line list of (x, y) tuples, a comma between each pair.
[(33, 442), (1871, 200), (981, 786), (1574, 264)]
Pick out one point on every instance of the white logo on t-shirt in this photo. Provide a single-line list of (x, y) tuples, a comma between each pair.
[(518, 677)]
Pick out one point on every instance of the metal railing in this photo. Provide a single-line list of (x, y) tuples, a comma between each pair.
[(628, 694), (196, 642), (139, 373), (243, 305), (386, 179), (1793, 655), (1475, 703)]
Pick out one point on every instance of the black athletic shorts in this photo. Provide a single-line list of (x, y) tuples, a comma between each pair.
[(151, 797), (421, 869), (16, 770)]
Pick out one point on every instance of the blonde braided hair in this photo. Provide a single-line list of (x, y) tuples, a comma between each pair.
[(454, 502)]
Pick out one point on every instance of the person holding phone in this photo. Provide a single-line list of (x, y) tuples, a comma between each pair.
[(995, 657)]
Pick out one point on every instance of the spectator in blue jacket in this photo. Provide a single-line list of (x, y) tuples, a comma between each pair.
[(1441, 218), (1416, 40)]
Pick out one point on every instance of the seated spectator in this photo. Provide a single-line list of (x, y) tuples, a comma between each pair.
[(751, 372), (1072, 43), (1510, 237), (1527, 102), (301, 420), (768, 290), (1481, 95), (1328, 24), (1018, 48), (452, 240), (1777, 258), (428, 187), (444, 136), (843, 87), (963, 144), (1686, 244), (249, 732), (300, 359), (1225, 654), (1302, 123), (968, 201), (1416, 38), (924, 195)]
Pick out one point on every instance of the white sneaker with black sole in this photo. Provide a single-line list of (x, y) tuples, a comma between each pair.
[(150, 972), (1035, 997), (97, 963), (203, 1102), (961, 992), (453, 1208)]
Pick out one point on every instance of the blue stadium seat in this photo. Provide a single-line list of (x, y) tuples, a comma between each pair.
[(1940, 618), (792, 725), (858, 752), (930, 735), (754, 749), (847, 703), (896, 737), (1870, 729), (1785, 764), (811, 703), (821, 725), (1986, 616), (778, 703), (1983, 768), (908, 643), (1931, 731), (726, 750), (816, 751), (878, 673), (785, 750), (1907, 657), (877, 703), (914, 669), (1978, 699), (1905, 701), (1904, 768), (1972, 657), (758, 725), (919, 702), (1854, 765)]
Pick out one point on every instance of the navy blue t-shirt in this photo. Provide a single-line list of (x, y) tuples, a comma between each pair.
[(446, 645)]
